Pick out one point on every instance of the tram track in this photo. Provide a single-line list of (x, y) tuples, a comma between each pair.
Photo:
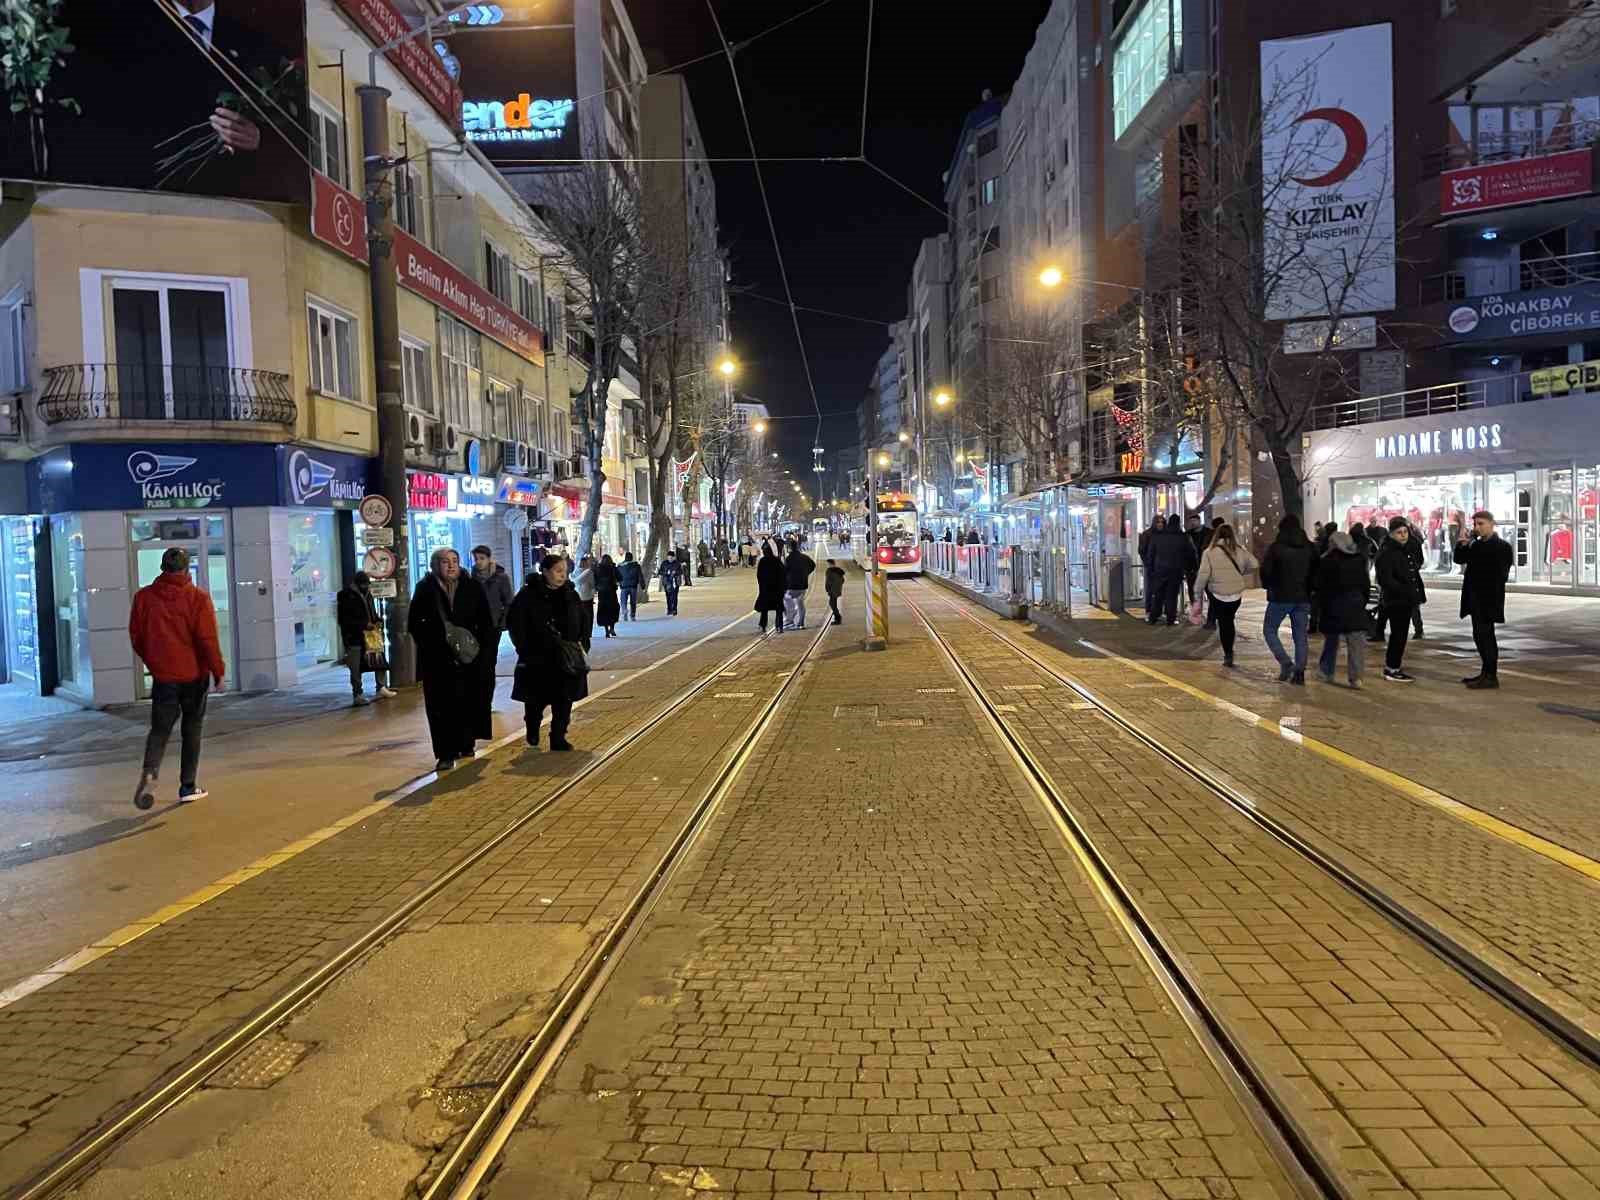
[(83, 1157)]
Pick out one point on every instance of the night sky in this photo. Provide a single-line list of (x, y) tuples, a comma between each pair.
[(849, 237)]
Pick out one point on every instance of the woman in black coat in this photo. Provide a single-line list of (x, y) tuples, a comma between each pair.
[(546, 613), (457, 696), (608, 609), (1341, 604), (769, 586)]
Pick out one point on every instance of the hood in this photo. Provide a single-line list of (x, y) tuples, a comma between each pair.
[(1342, 542), (1292, 537), (174, 579)]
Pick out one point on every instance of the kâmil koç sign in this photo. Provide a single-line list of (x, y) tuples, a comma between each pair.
[(1518, 314)]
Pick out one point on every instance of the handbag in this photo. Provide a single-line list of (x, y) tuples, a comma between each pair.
[(462, 644), (573, 661), (372, 639), (1197, 611)]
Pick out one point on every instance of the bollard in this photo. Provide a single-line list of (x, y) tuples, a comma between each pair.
[(877, 612)]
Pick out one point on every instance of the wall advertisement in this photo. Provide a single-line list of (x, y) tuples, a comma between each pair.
[(1327, 150)]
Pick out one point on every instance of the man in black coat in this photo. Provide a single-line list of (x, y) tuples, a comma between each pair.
[(1486, 562), (456, 695), (630, 576), (358, 612), (1171, 556), (797, 570), (1288, 569), (1400, 590)]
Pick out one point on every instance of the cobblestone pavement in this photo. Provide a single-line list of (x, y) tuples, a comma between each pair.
[(77, 861), (74, 1051), (1410, 1077), (882, 973), (1536, 919)]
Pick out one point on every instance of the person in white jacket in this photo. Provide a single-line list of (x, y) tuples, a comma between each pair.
[(1225, 568)]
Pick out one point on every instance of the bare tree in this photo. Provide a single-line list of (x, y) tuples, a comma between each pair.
[(1032, 379), (594, 213), (724, 457)]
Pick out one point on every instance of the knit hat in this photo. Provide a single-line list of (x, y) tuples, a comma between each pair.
[(1342, 542)]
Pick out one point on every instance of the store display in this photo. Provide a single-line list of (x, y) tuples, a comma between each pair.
[(21, 625)]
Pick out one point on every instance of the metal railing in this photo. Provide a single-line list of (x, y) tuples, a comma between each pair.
[(164, 392), (1510, 144), (994, 570), (1418, 402), (1532, 274)]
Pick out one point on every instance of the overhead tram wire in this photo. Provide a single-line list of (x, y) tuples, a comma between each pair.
[(866, 80), (766, 204)]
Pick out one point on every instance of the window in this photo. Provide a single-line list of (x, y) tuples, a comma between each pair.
[(408, 202), (1066, 152), (173, 350), (327, 142), (460, 373), (1148, 178), (552, 320), (991, 239), (497, 271), (991, 187), (13, 348), (989, 290), (988, 142), (417, 376), (333, 350), (538, 434), (1150, 48), (500, 417), (528, 296)]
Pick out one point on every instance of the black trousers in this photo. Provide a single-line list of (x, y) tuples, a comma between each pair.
[(1164, 600), (1488, 644), (449, 697), (672, 601), (833, 606), (1399, 618), (1383, 620), (1225, 611), (169, 702), (560, 717)]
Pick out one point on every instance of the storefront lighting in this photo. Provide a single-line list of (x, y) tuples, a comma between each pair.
[(1489, 235)]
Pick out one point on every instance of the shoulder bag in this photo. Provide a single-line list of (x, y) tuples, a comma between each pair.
[(570, 655), (462, 644)]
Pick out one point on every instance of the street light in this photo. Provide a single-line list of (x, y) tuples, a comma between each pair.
[(904, 436), (759, 426), (942, 399), (728, 367), (1051, 277), (883, 460)]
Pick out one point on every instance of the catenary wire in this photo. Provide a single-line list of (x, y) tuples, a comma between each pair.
[(866, 76)]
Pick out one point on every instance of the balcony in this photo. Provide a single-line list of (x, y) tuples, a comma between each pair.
[(105, 393), (1530, 274), (1418, 402)]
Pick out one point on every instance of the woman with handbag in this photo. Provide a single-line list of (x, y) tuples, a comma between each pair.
[(361, 634), (546, 623), (1225, 569), (607, 578), (451, 624)]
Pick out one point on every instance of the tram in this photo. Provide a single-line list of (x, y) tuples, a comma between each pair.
[(899, 548)]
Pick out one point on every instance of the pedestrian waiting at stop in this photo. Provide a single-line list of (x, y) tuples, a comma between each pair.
[(361, 635), (1224, 574), (173, 628), (1485, 559), (769, 586), (1400, 593), (797, 570), (1288, 569), (630, 578), (546, 628), (607, 581), (1169, 552), (1342, 585), (1414, 550), (583, 584), (455, 635), (833, 584), (673, 577)]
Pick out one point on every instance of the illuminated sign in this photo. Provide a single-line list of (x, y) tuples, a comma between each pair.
[(1579, 377), (475, 485), (427, 491), (1439, 441), (514, 489), (521, 120)]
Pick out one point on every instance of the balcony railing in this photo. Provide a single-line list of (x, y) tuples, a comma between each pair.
[(1531, 274), (164, 392), (1418, 402), (1505, 145)]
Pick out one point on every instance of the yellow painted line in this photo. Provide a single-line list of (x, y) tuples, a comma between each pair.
[(1410, 788), (137, 929)]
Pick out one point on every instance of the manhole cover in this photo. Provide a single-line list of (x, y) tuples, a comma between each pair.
[(867, 711), (261, 1066), (936, 691), (482, 1064), (732, 695), (903, 723)]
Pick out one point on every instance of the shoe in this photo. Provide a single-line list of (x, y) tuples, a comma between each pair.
[(836, 621), (359, 701), (1472, 679), (559, 743), (1325, 676), (533, 738), (1211, 625), (1417, 636), (1485, 682), (190, 792), (1298, 679), (1227, 660), (1375, 641), (445, 764), (1284, 671), (143, 796), (1398, 676), (387, 693), (1355, 685), (1170, 624)]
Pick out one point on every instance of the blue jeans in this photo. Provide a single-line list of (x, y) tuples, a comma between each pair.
[(1299, 621)]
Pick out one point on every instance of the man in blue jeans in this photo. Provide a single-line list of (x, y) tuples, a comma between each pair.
[(1287, 569)]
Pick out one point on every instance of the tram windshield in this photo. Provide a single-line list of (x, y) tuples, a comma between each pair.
[(897, 529)]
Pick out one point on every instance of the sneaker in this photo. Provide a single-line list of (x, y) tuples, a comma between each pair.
[(559, 743), (1398, 676), (387, 693), (359, 701), (190, 792), (1284, 671), (1298, 679), (445, 764), (1325, 676), (533, 738), (1355, 685), (143, 795), (1472, 679), (1485, 682)]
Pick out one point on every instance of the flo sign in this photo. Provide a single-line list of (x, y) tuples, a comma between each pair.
[(1518, 314)]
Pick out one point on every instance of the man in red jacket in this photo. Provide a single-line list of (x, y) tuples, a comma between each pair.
[(174, 632)]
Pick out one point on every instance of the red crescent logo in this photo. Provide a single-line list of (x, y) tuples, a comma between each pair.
[(1355, 145)]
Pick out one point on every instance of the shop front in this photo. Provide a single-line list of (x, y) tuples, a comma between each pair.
[(455, 512), (262, 525), (1535, 466), (23, 658)]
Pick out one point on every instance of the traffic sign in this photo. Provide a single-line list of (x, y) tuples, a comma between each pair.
[(383, 589), (478, 14), (376, 510), (378, 563), (377, 535)]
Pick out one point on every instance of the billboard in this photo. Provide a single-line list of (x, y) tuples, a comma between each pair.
[(1327, 151), (198, 96), (1520, 181), (520, 91)]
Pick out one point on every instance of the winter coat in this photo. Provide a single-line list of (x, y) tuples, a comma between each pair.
[(173, 628), (540, 618), (1342, 586), (1288, 568), (769, 585), (797, 570), (629, 574), (1483, 584), (1171, 553), (833, 582), (358, 612), (1201, 538), (608, 609), (1399, 581), (1222, 576), (671, 572), (470, 610), (498, 590)]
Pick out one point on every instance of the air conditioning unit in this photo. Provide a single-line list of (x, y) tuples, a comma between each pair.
[(416, 430), (447, 438), (514, 457)]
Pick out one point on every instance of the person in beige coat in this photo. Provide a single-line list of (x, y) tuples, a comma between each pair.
[(1225, 568)]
